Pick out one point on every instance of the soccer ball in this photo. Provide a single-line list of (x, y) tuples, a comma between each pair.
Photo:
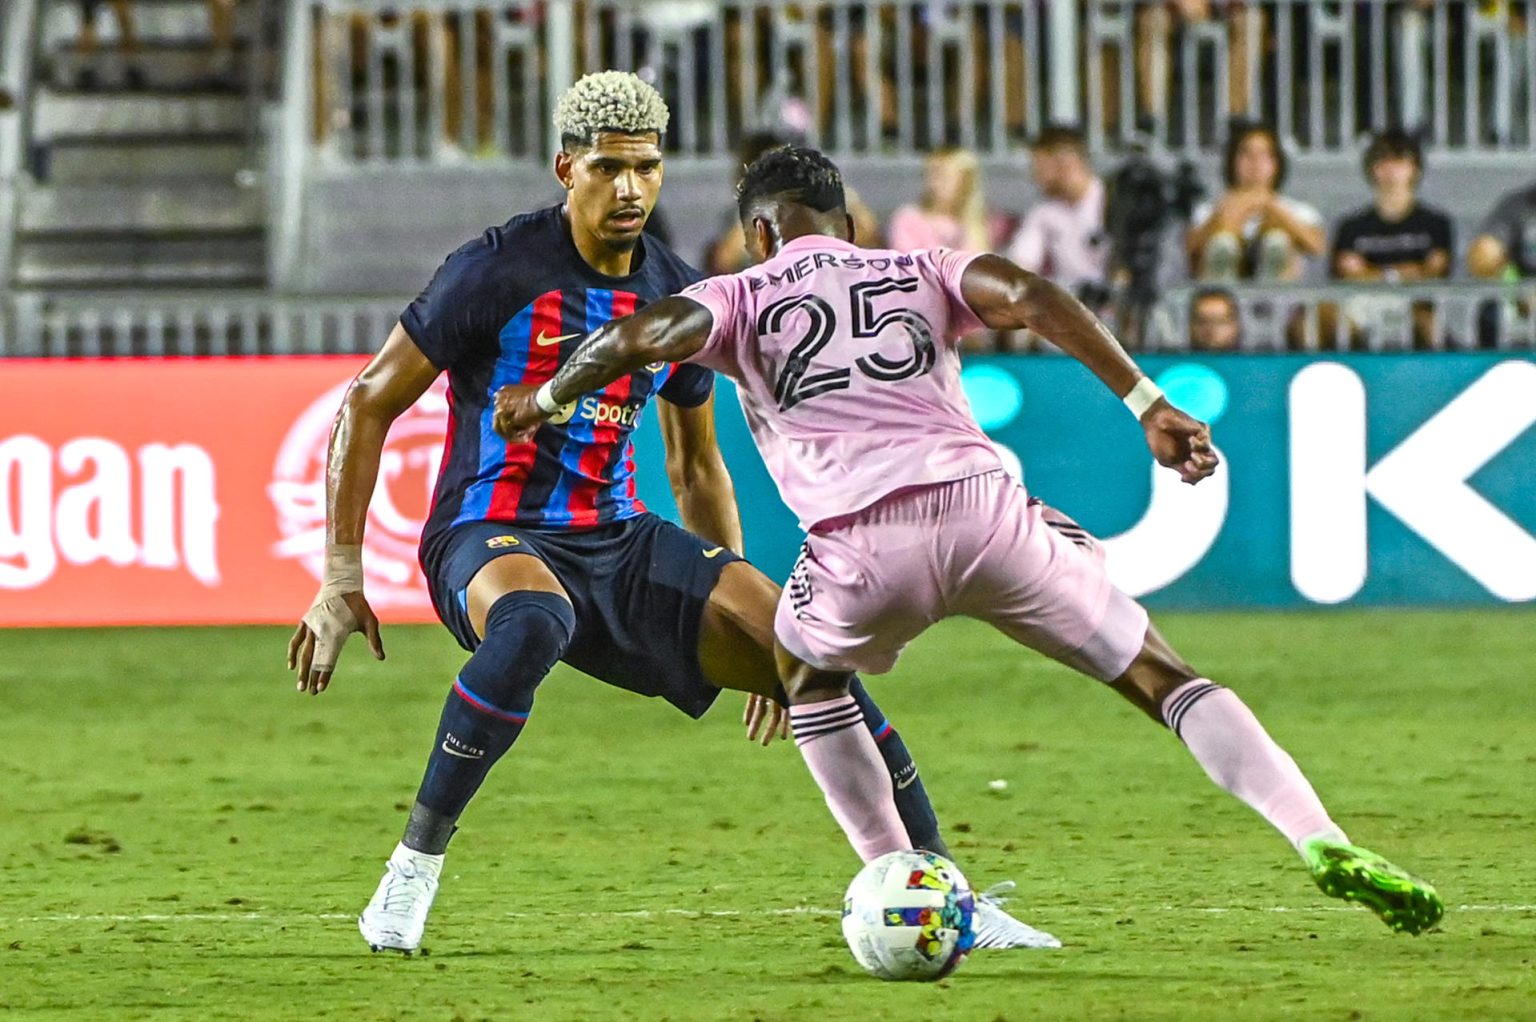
[(909, 915)]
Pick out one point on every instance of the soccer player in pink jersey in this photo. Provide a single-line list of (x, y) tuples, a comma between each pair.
[(849, 377)]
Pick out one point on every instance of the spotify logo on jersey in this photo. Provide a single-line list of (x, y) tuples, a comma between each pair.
[(597, 411)]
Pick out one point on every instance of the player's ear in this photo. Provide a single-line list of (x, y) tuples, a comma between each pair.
[(762, 239), (565, 169)]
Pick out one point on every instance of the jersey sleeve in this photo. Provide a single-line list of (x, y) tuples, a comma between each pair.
[(448, 318), (1028, 245), (722, 297), (949, 265), (1344, 239), (1443, 234)]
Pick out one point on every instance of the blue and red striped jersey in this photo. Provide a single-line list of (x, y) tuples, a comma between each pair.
[(509, 307)]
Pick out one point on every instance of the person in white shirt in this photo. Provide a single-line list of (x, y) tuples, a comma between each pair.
[(1252, 231), (1062, 238)]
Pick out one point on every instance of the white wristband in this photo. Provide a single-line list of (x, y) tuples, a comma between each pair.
[(544, 398), (343, 568), (1142, 396)]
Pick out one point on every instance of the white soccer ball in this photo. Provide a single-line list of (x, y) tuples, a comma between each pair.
[(909, 916)]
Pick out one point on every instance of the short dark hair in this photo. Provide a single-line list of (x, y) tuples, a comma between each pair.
[(798, 174), (1208, 292), (1393, 142), (1061, 136), (1239, 133)]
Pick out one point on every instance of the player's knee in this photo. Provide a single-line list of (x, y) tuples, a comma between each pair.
[(526, 633), (806, 684), (1154, 675)]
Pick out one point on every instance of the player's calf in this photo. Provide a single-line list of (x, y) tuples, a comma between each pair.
[(526, 632)]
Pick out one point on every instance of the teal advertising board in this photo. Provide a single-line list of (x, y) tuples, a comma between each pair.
[(1367, 480)]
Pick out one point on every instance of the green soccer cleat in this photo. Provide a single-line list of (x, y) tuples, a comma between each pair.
[(1403, 901)]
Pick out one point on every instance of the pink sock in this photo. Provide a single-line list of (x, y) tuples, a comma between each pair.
[(846, 763), (1238, 754)]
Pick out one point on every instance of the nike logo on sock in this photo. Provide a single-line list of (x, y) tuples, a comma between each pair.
[(911, 775)]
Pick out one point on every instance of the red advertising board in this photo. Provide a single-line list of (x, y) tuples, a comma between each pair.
[(192, 491)]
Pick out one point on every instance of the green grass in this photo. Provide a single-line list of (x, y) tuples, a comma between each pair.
[(184, 837)]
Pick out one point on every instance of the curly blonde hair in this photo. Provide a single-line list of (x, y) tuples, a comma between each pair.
[(609, 101)]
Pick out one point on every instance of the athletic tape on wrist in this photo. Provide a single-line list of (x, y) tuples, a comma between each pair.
[(343, 568), (544, 398), (1142, 396)]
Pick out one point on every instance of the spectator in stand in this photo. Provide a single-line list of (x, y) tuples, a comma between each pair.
[(1395, 238), (1253, 231), (1505, 249), (1215, 324), (1062, 238), (1505, 246), (952, 212)]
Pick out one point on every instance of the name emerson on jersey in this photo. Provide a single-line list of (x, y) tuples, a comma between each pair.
[(804, 267)]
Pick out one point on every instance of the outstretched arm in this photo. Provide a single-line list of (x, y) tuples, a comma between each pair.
[(387, 386), (1006, 297), (668, 331)]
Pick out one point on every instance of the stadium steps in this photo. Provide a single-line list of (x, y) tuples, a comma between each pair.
[(156, 67), (202, 259), (191, 204), (154, 21), (145, 168), (60, 115), (147, 159)]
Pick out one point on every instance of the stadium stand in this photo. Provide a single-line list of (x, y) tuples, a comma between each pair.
[(353, 150)]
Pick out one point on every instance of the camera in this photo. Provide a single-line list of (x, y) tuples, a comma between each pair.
[(1142, 200)]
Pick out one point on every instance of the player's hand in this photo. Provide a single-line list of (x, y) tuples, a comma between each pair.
[(317, 642), (517, 414), (765, 715), (1180, 442)]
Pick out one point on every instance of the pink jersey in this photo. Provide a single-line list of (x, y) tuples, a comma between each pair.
[(847, 370)]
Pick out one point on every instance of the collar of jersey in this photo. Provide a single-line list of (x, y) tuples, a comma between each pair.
[(816, 241)]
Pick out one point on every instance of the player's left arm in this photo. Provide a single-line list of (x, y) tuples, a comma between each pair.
[(1007, 297), (668, 331), (701, 484)]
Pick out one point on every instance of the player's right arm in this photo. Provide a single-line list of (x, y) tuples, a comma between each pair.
[(388, 385), (1007, 297)]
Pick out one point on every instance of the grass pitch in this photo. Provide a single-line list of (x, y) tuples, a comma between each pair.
[(183, 837)]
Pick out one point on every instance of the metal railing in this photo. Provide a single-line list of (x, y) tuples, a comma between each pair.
[(17, 19), (450, 81), (1324, 73), (1352, 317), (447, 81), (1333, 317), (430, 80), (146, 325)]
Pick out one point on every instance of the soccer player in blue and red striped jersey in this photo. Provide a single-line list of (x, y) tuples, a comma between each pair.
[(539, 551)]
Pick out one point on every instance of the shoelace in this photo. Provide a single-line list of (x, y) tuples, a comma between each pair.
[(400, 889)]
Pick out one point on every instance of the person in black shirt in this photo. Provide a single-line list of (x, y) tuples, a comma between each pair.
[(539, 550), (1396, 238)]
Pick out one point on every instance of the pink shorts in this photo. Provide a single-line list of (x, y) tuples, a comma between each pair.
[(868, 583)]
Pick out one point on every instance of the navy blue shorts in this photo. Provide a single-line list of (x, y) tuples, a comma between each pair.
[(639, 588)]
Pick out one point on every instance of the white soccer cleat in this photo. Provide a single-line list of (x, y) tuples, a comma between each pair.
[(998, 930), (397, 915)]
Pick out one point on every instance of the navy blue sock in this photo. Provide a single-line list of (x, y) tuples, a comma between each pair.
[(911, 798), (525, 634)]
